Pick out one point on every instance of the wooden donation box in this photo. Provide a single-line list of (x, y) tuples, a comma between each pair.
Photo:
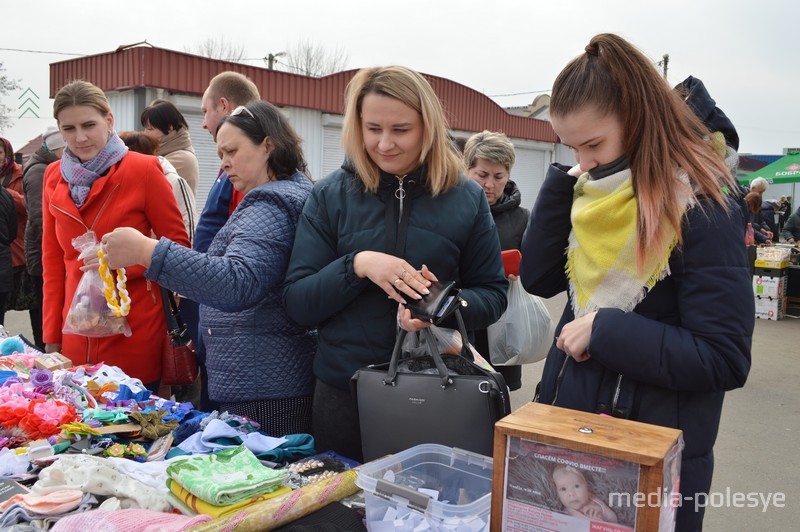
[(559, 469)]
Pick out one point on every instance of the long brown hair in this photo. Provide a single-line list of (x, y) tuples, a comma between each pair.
[(409, 87), (661, 133), (754, 201)]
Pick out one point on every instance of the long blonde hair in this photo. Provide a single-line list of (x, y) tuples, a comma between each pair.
[(661, 133), (403, 84)]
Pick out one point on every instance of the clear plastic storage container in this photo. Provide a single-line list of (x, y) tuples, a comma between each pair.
[(434, 485)]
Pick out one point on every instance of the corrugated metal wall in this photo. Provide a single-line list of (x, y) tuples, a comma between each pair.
[(206, 151), (314, 106), (307, 124), (123, 108), (178, 72)]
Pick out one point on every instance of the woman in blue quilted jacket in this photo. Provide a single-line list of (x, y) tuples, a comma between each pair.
[(258, 359)]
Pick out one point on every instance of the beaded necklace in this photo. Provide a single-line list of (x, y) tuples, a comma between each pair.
[(123, 306)]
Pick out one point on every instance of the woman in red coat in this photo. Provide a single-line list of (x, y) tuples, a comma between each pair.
[(98, 186)]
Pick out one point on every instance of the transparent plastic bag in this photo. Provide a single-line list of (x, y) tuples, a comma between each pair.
[(89, 313), (448, 342), (524, 333)]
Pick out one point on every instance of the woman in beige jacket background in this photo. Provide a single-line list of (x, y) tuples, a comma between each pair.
[(162, 121)]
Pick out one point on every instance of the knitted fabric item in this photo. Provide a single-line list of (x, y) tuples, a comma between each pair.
[(601, 255), (153, 474), (95, 475), (226, 477), (200, 506), (55, 502), (219, 435), (131, 520), (16, 514)]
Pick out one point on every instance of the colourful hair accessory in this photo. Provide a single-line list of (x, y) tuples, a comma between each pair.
[(135, 451), (44, 417), (77, 427), (117, 451), (12, 409), (116, 415), (41, 377), (9, 346), (122, 306), (126, 393)]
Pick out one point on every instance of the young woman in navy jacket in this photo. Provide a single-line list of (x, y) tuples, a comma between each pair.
[(649, 248)]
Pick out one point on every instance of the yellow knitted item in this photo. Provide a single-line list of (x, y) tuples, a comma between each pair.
[(601, 256)]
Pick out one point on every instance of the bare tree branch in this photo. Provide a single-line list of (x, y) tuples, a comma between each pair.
[(313, 59), (218, 48), (6, 86)]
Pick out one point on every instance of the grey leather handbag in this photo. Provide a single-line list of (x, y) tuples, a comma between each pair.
[(424, 396)]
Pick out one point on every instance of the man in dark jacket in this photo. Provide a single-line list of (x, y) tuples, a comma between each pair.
[(768, 212), (32, 178), (791, 229)]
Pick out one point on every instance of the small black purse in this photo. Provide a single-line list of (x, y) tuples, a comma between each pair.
[(438, 304)]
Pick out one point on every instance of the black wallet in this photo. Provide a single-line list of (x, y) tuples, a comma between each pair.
[(442, 300)]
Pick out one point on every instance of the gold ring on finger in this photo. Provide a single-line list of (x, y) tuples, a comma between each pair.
[(403, 275), (398, 280)]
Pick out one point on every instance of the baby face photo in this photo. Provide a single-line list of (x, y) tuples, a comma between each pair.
[(583, 487)]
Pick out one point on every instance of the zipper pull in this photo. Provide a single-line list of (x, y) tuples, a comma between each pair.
[(150, 289), (400, 194)]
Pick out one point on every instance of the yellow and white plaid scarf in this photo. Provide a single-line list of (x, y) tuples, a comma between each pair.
[(601, 255)]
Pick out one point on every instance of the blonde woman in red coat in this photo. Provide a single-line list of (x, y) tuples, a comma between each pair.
[(99, 185)]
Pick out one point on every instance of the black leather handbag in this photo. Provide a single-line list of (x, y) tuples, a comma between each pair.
[(429, 397)]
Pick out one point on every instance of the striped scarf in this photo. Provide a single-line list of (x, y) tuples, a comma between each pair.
[(81, 176), (601, 254)]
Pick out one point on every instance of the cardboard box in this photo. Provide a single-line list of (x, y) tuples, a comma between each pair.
[(771, 264), (52, 361), (631, 469), (769, 286), (769, 308)]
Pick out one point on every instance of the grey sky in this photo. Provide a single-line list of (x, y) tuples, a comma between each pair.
[(742, 50)]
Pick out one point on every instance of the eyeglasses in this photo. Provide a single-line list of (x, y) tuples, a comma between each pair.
[(242, 109)]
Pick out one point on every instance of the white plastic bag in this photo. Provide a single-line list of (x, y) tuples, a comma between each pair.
[(524, 333), (449, 341)]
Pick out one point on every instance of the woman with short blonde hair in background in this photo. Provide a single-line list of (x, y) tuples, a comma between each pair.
[(489, 157)]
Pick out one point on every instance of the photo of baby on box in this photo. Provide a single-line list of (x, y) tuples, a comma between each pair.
[(561, 489)]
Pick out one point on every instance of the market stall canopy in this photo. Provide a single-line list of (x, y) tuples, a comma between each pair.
[(784, 170)]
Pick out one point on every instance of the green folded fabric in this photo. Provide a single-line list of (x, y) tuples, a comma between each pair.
[(225, 477)]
